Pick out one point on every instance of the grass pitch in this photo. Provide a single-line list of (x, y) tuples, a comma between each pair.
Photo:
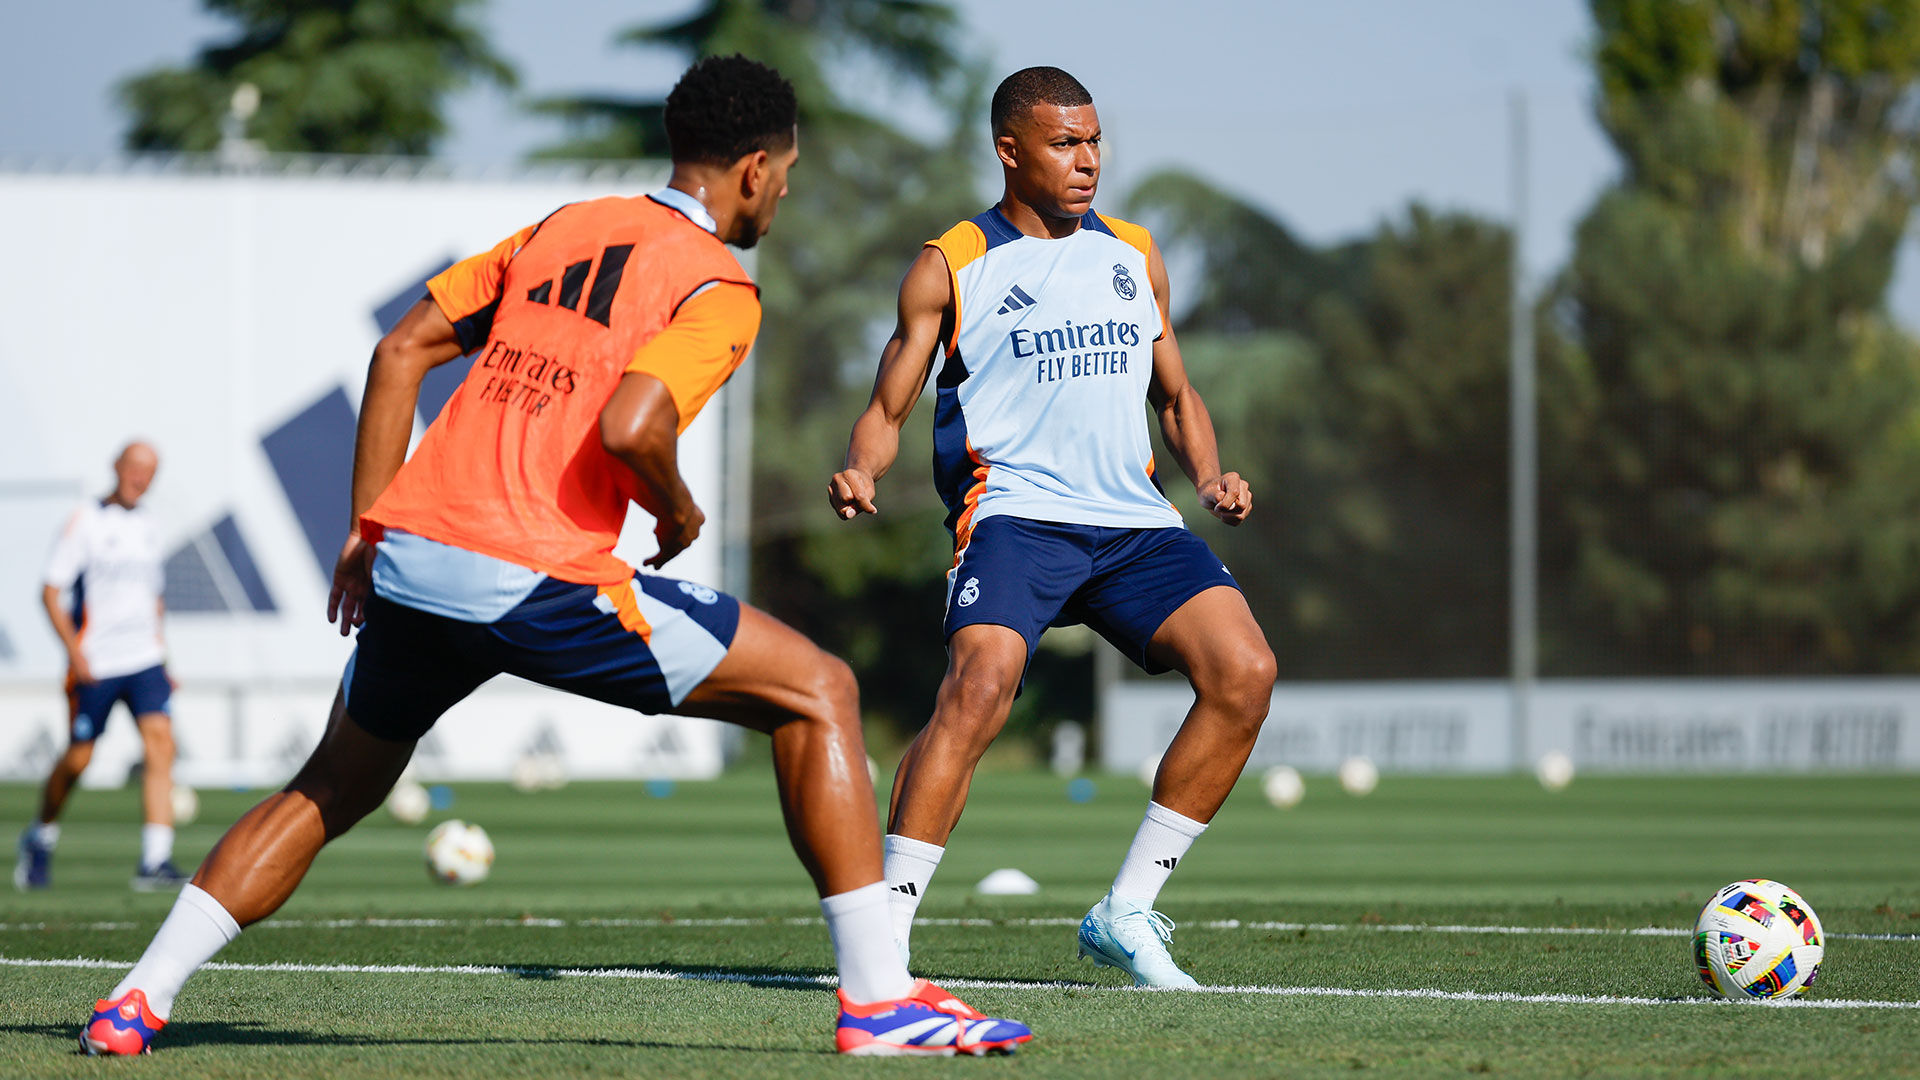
[(1436, 927)]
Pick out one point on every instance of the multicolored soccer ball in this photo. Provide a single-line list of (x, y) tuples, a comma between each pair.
[(1757, 940), (459, 853)]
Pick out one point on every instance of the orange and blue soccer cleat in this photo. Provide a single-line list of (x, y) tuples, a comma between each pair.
[(928, 1022), (126, 1026)]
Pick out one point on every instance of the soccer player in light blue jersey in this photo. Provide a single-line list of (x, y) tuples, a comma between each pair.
[(1053, 323)]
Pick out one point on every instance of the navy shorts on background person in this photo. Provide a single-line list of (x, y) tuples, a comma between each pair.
[(145, 691), (643, 644), (1122, 583)]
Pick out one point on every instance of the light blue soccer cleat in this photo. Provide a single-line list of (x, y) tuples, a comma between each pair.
[(1121, 932)]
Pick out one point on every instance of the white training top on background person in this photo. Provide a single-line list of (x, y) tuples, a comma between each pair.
[(109, 557)]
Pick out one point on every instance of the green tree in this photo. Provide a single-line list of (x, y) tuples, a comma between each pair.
[(334, 76), (864, 197), (1362, 388), (1735, 484)]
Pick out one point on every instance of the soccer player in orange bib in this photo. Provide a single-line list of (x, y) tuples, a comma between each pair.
[(600, 333)]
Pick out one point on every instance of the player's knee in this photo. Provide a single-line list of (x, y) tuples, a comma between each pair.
[(833, 693), (342, 789), (975, 700), (78, 756), (1240, 683), (157, 735)]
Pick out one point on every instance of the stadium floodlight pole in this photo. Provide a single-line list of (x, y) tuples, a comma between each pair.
[(1523, 553)]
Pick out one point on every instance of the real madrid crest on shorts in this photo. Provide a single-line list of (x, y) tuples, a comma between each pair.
[(969, 592), (700, 593), (1123, 282)]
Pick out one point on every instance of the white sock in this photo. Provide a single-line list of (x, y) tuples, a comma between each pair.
[(195, 929), (44, 834), (1163, 839), (870, 967), (909, 867), (156, 845)]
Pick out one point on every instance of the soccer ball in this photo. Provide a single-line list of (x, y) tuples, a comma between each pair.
[(1358, 775), (1554, 770), (1150, 770), (458, 853), (408, 802), (1282, 786), (1757, 941), (186, 805)]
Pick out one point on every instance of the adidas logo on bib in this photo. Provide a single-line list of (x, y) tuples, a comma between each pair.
[(1016, 300)]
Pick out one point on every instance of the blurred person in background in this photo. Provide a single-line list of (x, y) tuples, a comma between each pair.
[(102, 593)]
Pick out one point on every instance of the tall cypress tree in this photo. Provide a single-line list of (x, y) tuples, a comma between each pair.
[(1734, 472)]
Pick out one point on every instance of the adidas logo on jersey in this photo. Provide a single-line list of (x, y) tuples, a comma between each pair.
[(1016, 300)]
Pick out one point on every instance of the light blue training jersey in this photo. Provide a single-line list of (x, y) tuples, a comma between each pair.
[(1040, 405)]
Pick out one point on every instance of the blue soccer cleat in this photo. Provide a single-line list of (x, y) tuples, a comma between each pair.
[(165, 877), (34, 868), (928, 1022), (1124, 933), (123, 1027)]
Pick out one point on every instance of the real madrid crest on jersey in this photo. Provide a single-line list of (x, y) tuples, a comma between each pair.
[(1123, 282)]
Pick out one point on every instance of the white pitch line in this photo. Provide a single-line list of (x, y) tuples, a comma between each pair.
[(706, 923), (827, 982)]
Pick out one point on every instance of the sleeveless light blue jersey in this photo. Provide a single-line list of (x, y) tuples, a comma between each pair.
[(1040, 409)]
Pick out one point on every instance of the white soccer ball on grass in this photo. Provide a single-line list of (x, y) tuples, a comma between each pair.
[(459, 853), (1358, 775), (186, 805), (1554, 770), (1757, 940), (408, 802), (1150, 770), (1283, 787)]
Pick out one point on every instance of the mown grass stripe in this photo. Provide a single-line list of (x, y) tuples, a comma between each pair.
[(701, 923), (826, 982)]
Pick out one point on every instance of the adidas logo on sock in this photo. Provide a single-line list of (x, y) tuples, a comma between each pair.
[(1168, 863), (906, 887), (1016, 300)]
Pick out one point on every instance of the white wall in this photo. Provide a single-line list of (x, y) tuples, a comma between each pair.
[(202, 312), (1626, 725)]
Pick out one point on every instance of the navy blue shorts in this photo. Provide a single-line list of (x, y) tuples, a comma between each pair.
[(1123, 583), (144, 692), (643, 644)]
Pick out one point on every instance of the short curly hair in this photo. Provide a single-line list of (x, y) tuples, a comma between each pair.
[(1032, 86), (726, 107)]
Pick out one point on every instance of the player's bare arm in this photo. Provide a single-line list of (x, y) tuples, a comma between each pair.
[(1185, 424), (69, 633), (640, 427), (926, 313), (422, 340)]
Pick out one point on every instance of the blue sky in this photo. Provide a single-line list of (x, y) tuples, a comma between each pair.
[(1332, 116)]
